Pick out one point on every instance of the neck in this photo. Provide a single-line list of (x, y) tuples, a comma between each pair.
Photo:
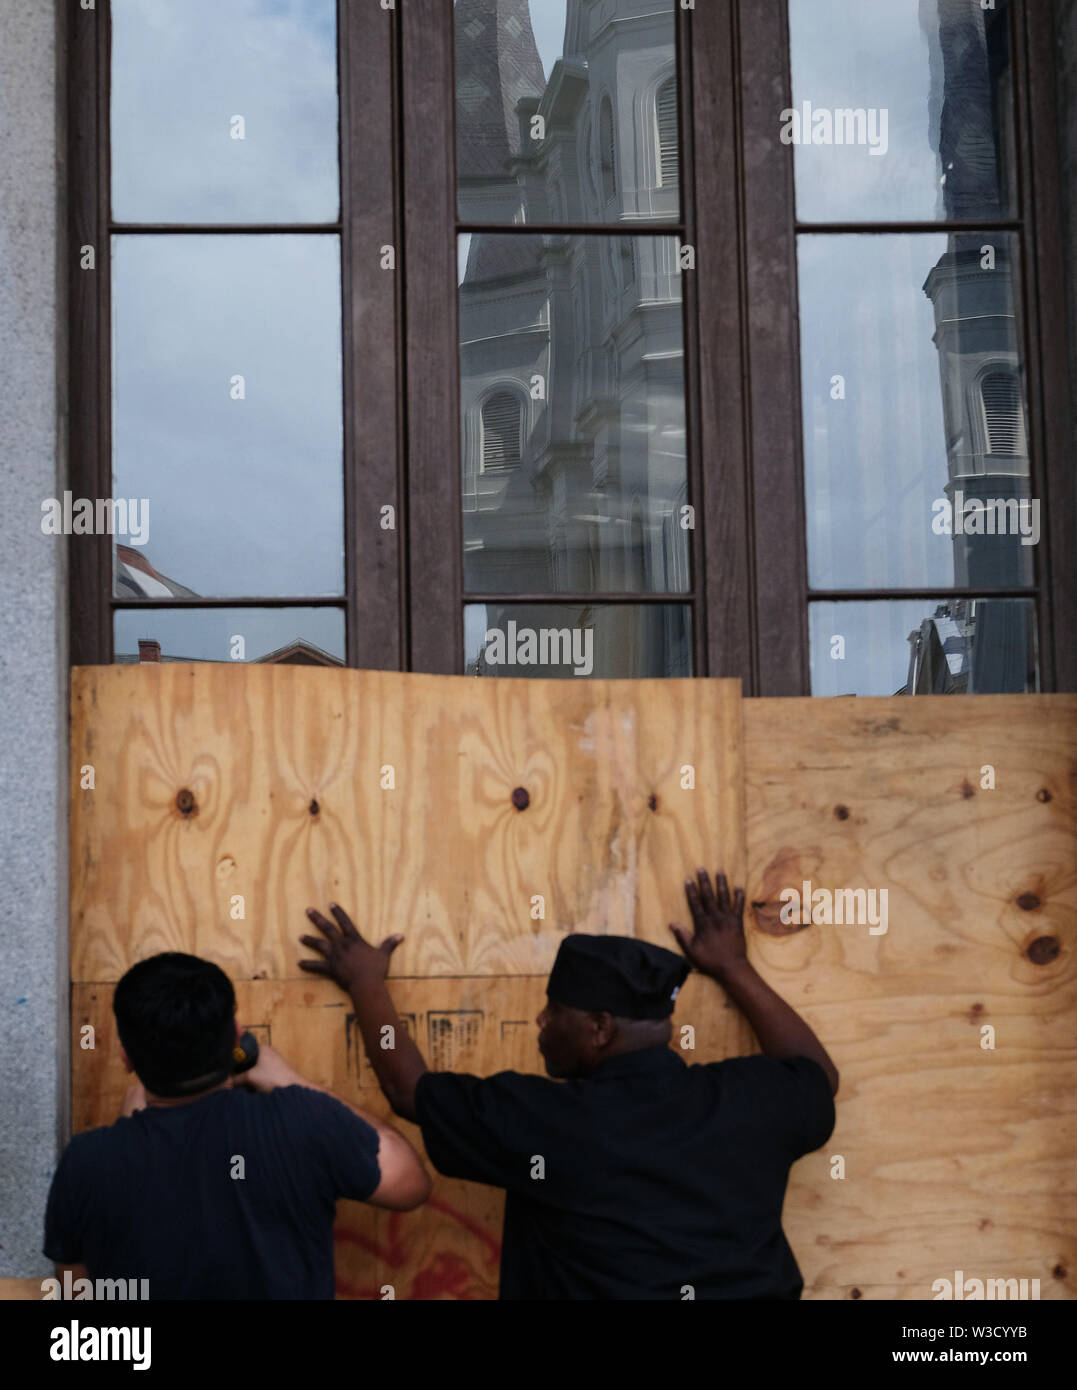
[(622, 1046), (167, 1102)]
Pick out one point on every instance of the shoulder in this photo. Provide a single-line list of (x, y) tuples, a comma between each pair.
[(93, 1148), (302, 1105), (506, 1092), (502, 1083), (772, 1073)]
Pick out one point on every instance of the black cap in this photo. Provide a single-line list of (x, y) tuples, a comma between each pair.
[(626, 977)]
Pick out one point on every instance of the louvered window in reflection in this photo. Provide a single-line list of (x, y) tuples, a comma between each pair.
[(501, 432), (666, 114), (607, 153), (1004, 421)]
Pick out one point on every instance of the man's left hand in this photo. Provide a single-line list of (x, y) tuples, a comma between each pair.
[(346, 957)]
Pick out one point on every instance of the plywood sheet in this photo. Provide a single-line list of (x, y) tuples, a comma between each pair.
[(270, 784), (19, 1290), (957, 1157)]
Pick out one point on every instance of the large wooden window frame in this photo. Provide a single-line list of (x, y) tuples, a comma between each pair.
[(404, 591)]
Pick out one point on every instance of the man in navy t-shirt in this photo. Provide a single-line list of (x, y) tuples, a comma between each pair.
[(212, 1186)]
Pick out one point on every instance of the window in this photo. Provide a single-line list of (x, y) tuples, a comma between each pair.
[(608, 153), (236, 233), (666, 117), (501, 430), (915, 544), (594, 340), (1003, 414), (446, 318)]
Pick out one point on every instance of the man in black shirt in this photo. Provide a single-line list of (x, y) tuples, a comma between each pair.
[(631, 1175), (212, 1186)]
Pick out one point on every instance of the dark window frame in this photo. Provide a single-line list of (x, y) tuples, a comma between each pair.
[(404, 596)]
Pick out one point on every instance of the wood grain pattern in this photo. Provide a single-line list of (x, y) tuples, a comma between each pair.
[(21, 1290), (955, 1157), (289, 812)]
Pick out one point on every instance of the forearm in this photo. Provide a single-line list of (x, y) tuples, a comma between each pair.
[(396, 1060), (780, 1029)]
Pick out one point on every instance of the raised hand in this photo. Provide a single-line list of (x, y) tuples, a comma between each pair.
[(345, 956), (717, 942)]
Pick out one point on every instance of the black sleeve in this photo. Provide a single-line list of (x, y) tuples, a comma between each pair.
[(811, 1103), (464, 1120), (793, 1095), (344, 1146), (63, 1233)]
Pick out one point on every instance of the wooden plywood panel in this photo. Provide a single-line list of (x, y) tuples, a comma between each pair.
[(20, 1290), (956, 1157), (269, 783)]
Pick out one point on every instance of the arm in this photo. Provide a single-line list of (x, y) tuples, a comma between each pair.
[(360, 970), (717, 948), (404, 1184)]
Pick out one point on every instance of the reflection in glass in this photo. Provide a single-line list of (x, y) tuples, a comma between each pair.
[(227, 414), (566, 113), (286, 636), (553, 640), (915, 437), (924, 647), (903, 110), (224, 112), (572, 404)]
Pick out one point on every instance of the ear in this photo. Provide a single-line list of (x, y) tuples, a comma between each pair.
[(126, 1060), (604, 1029)]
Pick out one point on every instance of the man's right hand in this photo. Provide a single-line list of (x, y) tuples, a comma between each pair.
[(717, 943), (269, 1072)]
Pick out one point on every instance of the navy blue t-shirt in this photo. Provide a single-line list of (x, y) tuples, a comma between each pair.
[(153, 1196)]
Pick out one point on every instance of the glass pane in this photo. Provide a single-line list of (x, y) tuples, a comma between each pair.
[(224, 111), (572, 381), (924, 647), (551, 639), (902, 110), (566, 121), (915, 434), (227, 414), (289, 636)]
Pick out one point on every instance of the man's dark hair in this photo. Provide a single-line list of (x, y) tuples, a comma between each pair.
[(176, 1019)]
